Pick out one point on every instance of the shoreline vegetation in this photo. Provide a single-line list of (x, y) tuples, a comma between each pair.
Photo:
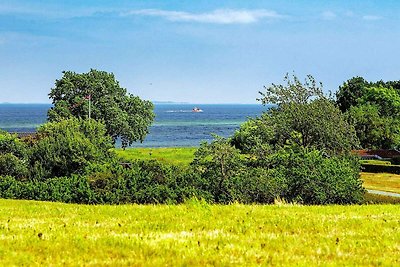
[(386, 182), (284, 189)]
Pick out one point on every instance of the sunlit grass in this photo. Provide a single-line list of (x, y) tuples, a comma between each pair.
[(40, 233), (376, 162), (172, 155), (381, 181)]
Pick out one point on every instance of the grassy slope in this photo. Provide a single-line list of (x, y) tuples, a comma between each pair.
[(381, 181), (40, 233), (173, 155)]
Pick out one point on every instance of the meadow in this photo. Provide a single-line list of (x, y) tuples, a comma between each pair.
[(381, 181), (195, 233), (172, 155)]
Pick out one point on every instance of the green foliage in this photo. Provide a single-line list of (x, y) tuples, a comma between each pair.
[(13, 156), (74, 189), (255, 136), (379, 168), (303, 116), (12, 165), (218, 163), (293, 92), (314, 178), (350, 92), (145, 182), (258, 185), (386, 99), (374, 110), (373, 130), (125, 116), (68, 146), (380, 199), (10, 143)]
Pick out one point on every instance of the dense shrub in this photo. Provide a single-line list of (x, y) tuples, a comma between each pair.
[(145, 182), (12, 165), (13, 156), (67, 147), (375, 168), (258, 185), (218, 163), (74, 189), (315, 178)]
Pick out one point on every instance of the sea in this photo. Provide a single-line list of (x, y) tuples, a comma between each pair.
[(175, 125)]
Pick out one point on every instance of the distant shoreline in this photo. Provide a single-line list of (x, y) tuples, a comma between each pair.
[(155, 103)]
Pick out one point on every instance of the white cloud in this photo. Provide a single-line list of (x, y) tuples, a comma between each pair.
[(371, 17), (328, 15), (219, 16)]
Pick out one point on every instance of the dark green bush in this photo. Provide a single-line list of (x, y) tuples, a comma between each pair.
[(315, 178), (218, 164), (13, 156), (395, 160), (74, 189), (258, 185), (67, 147), (375, 168), (13, 166)]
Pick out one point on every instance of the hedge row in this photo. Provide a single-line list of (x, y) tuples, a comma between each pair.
[(375, 168)]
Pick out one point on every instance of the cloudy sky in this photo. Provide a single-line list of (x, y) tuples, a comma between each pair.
[(195, 51)]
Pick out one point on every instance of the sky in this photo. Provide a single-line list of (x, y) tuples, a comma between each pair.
[(195, 51)]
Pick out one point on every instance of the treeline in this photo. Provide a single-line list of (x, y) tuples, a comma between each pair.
[(299, 151), (373, 108)]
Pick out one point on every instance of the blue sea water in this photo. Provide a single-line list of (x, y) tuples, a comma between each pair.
[(175, 125)]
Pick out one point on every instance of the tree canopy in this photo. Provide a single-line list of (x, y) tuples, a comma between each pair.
[(374, 110), (98, 92), (302, 115)]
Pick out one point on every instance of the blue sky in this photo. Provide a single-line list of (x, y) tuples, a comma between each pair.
[(195, 51)]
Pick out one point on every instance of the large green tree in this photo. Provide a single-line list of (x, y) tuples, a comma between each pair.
[(303, 115), (374, 110), (350, 91), (98, 94)]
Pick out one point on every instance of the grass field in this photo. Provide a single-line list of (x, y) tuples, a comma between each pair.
[(381, 181), (41, 233), (174, 155)]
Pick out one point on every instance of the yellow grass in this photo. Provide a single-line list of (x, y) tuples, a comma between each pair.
[(381, 181), (197, 234)]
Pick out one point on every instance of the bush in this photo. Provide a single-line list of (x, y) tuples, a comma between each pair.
[(13, 166), (67, 147), (378, 168), (258, 185), (218, 164), (74, 189), (314, 178), (13, 156)]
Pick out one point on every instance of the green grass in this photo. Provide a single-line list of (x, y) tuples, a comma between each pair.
[(197, 234), (381, 181), (173, 155), (375, 162)]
